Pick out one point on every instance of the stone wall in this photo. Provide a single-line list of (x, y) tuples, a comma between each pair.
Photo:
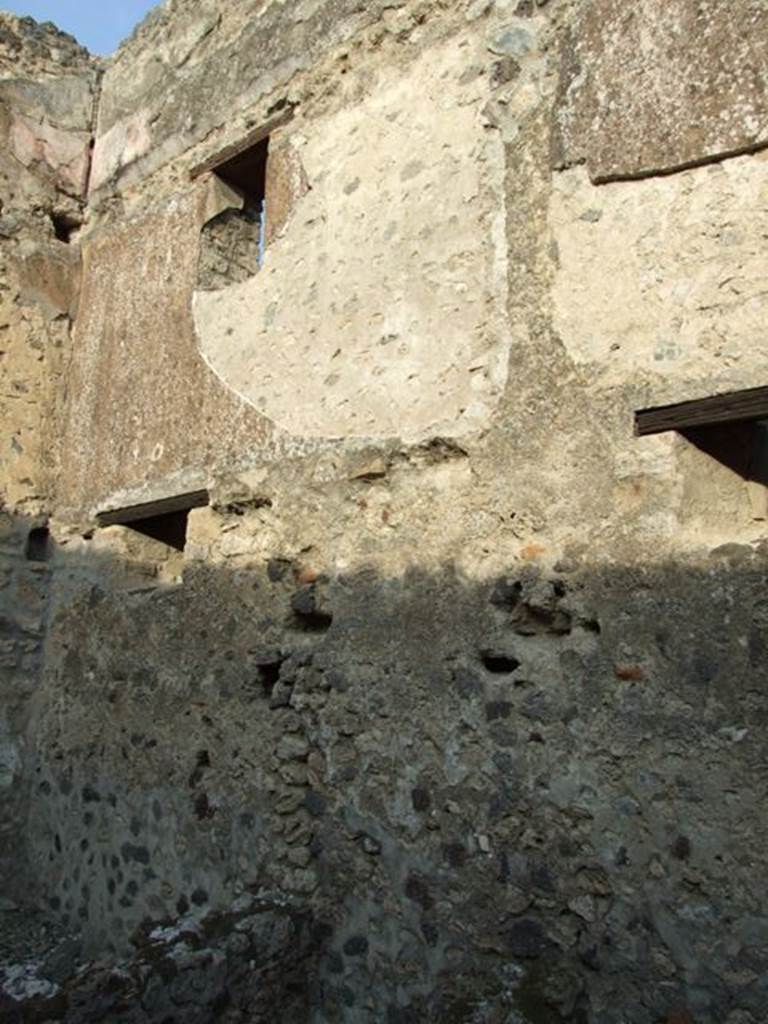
[(47, 92), (47, 85), (452, 708), (522, 795)]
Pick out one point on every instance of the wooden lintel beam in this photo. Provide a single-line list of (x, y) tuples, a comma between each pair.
[(236, 148), (149, 509), (734, 407)]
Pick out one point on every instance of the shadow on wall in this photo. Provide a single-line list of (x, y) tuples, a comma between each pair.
[(266, 790)]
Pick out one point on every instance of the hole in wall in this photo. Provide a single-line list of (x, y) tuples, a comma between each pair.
[(308, 615), (202, 806), (64, 225), (499, 664), (313, 622), (530, 620), (38, 546), (269, 674)]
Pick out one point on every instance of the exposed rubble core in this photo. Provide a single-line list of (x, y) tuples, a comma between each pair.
[(229, 249), (358, 662)]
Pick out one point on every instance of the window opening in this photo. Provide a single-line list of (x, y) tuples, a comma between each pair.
[(730, 428), (246, 173), (233, 243), (165, 520)]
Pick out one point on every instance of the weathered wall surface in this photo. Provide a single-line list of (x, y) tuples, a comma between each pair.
[(368, 319), (684, 304), (192, 68), (129, 430), (462, 728), (486, 786), (24, 595), (46, 103), (379, 311), (653, 87)]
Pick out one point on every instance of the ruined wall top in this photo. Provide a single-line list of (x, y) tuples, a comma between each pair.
[(32, 49), (191, 68)]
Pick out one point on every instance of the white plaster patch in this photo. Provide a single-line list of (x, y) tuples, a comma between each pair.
[(379, 312), (663, 280)]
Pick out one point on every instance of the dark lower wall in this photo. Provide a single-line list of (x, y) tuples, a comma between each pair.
[(24, 596), (535, 798)]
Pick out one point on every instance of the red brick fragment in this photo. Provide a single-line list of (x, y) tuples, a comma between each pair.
[(630, 673)]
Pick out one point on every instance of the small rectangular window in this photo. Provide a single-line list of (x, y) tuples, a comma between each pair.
[(731, 428), (246, 173), (164, 520), (233, 243)]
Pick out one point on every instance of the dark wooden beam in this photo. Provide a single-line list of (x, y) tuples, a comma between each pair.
[(150, 509), (236, 148), (735, 407)]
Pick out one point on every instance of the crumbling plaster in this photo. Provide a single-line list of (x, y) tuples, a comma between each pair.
[(129, 432)]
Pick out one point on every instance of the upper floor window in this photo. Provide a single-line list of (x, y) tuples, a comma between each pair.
[(233, 243)]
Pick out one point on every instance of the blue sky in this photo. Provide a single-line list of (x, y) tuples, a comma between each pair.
[(98, 24)]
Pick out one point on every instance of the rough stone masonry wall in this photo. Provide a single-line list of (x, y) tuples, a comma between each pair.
[(46, 107), (47, 87), (458, 728)]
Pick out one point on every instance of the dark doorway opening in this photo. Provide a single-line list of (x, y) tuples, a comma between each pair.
[(731, 428), (742, 447)]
